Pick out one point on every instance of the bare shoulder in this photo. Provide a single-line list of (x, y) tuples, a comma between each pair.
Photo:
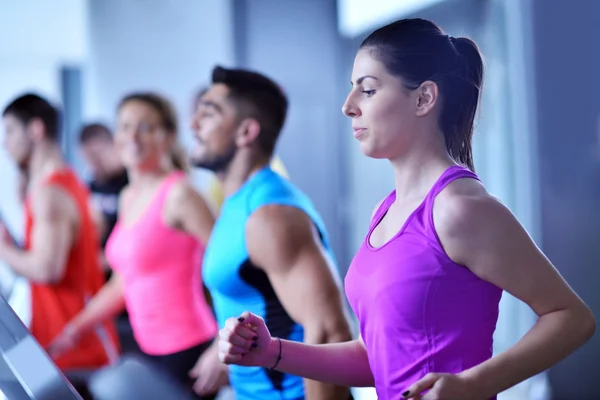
[(466, 216), (280, 232), (463, 203), (184, 195), (182, 190), (279, 221), (52, 202), (187, 210)]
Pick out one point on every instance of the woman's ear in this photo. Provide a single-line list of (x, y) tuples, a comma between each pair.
[(427, 97)]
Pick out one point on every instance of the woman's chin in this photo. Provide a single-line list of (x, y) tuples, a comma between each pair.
[(371, 151)]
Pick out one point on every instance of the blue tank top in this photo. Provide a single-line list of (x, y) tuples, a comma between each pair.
[(236, 285)]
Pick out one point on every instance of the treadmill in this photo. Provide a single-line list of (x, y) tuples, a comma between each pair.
[(26, 371)]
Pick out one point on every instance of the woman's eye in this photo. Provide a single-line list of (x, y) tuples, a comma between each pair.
[(369, 93)]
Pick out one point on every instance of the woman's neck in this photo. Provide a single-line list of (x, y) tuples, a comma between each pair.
[(142, 177), (415, 172)]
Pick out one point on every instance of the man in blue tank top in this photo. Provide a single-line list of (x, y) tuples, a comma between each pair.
[(269, 252)]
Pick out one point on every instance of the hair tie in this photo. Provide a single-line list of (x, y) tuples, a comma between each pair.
[(452, 39)]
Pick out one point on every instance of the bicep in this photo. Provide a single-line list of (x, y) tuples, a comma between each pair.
[(187, 209), (199, 220), (300, 270), (308, 288), (53, 231), (515, 264), (498, 249)]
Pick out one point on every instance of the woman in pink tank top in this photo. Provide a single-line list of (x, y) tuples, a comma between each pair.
[(156, 246), (426, 283)]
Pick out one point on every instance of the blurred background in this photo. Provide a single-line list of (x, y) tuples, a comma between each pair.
[(537, 145)]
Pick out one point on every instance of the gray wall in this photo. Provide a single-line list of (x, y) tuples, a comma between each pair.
[(568, 80), (36, 39), (297, 44), (165, 45)]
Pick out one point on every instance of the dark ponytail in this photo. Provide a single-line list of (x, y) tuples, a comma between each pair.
[(457, 119), (416, 50)]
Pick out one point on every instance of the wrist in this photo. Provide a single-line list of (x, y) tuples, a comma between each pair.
[(74, 328), (474, 382), (4, 250), (273, 353)]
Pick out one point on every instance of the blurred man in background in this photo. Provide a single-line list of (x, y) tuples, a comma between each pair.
[(60, 255), (108, 175)]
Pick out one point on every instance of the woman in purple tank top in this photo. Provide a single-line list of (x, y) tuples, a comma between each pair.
[(426, 283)]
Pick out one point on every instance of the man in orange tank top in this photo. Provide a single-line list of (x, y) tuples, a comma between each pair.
[(60, 255)]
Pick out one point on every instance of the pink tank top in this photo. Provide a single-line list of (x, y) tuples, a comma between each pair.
[(160, 269), (419, 311)]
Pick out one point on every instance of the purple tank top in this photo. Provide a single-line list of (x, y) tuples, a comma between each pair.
[(419, 311)]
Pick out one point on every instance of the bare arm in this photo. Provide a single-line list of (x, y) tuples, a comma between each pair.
[(52, 238), (478, 231), (186, 210), (105, 305), (284, 243), (344, 364), (246, 340), (109, 301)]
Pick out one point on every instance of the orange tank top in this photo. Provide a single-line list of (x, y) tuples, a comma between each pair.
[(54, 305)]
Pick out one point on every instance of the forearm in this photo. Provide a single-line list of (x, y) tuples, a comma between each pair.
[(554, 336), (315, 390), (26, 264), (106, 304), (343, 364)]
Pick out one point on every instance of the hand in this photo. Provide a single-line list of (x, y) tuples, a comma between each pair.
[(210, 373), (65, 341), (441, 387), (246, 341)]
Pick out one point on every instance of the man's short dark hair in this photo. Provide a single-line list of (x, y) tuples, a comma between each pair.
[(258, 97), (31, 106), (94, 131)]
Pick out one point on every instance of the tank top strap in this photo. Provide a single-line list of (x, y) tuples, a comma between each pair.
[(451, 174), (382, 209), (68, 182), (165, 187), (63, 178)]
